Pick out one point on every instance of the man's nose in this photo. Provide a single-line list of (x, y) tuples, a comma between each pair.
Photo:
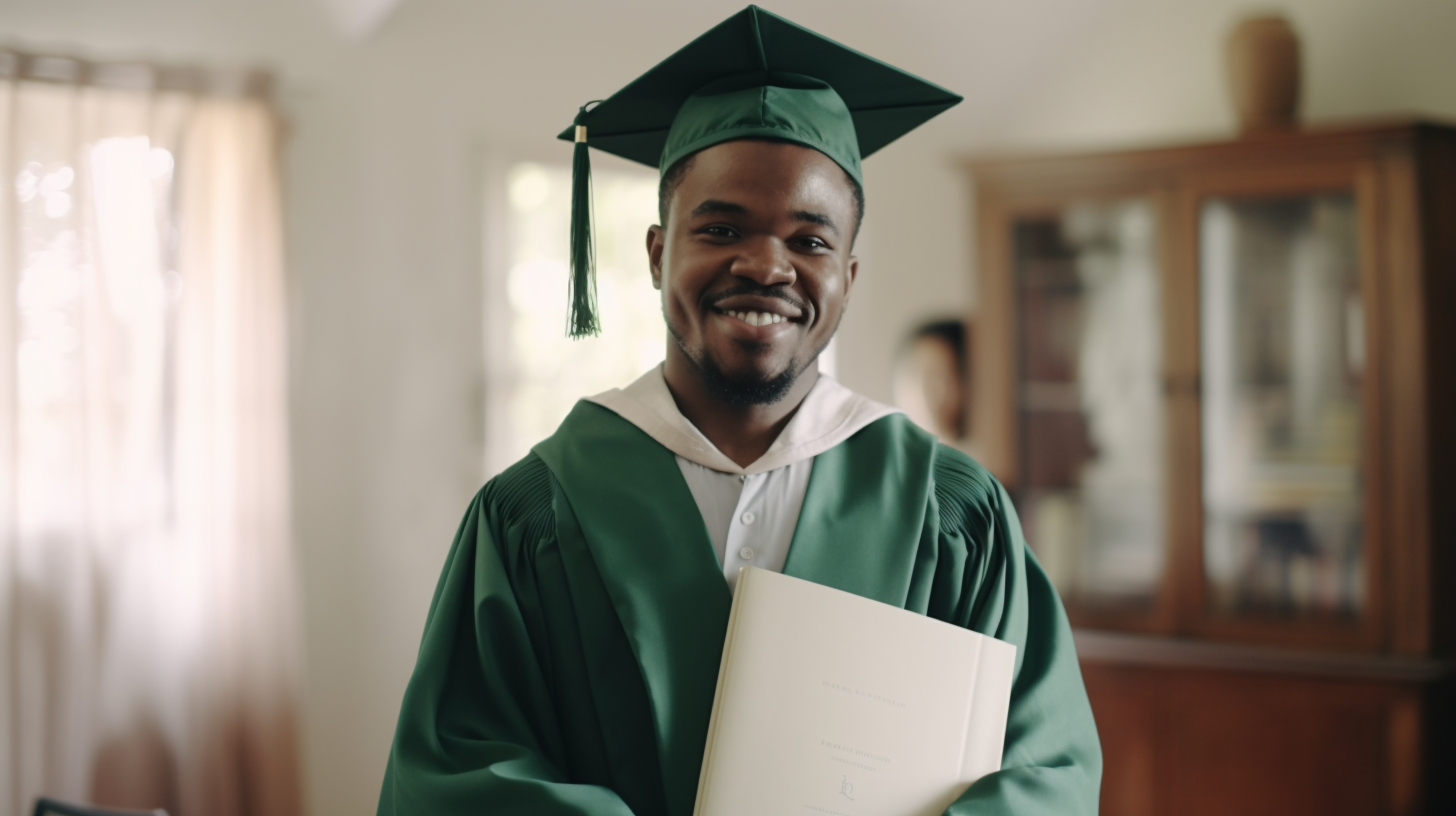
[(764, 261)]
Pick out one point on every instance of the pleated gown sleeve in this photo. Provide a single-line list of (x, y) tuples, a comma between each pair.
[(986, 579), (487, 722)]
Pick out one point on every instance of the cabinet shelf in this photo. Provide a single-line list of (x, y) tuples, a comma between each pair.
[(1211, 377)]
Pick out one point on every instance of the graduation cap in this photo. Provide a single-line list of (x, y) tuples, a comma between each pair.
[(755, 75)]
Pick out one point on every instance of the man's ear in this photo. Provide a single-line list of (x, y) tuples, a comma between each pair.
[(853, 271), (656, 240)]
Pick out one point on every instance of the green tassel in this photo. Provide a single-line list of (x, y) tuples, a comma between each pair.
[(583, 320)]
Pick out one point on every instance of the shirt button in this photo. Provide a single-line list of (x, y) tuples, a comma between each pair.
[(747, 518), (746, 553)]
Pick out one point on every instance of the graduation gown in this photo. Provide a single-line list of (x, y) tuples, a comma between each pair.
[(571, 651)]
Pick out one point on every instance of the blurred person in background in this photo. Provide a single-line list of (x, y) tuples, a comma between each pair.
[(932, 382), (571, 654)]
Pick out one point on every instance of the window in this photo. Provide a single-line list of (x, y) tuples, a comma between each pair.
[(543, 372)]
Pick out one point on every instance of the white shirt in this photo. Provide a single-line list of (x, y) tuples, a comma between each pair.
[(751, 519), (750, 512)]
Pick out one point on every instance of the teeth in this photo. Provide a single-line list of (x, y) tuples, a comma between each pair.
[(758, 318)]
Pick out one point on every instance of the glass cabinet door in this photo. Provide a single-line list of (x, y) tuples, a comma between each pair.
[(1090, 406), (1282, 352)]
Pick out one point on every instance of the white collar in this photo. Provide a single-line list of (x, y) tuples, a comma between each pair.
[(829, 414)]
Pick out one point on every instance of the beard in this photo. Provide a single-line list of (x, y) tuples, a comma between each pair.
[(740, 390)]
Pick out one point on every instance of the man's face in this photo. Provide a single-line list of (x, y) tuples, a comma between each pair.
[(754, 264)]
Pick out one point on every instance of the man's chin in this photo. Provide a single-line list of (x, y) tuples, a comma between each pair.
[(745, 387), (747, 380)]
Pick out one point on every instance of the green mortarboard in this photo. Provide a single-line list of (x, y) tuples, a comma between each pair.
[(755, 75)]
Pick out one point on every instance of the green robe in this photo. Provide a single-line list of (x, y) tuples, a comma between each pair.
[(571, 652)]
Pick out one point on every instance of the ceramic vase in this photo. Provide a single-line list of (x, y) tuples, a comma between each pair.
[(1263, 73)]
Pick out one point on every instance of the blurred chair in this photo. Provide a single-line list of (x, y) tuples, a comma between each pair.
[(50, 807)]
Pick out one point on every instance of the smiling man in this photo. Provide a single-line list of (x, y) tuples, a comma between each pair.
[(571, 653), (755, 270)]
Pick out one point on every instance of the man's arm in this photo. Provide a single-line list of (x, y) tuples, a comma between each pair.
[(1052, 760), (478, 730)]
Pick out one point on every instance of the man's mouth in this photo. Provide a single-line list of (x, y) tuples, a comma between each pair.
[(756, 309), (757, 318)]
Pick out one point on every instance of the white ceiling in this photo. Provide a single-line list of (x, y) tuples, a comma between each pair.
[(1034, 72), (358, 19)]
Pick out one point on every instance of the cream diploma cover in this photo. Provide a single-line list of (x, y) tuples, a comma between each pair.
[(830, 704)]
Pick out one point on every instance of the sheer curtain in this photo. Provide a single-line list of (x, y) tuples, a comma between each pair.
[(147, 615)]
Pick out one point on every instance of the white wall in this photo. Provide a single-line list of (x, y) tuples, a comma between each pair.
[(383, 154)]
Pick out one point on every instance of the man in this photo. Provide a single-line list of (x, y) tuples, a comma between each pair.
[(570, 657)]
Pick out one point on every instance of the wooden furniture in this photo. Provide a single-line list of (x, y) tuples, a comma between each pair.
[(1215, 380), (54, 807)]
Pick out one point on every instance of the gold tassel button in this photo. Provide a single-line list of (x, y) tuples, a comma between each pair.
[(581, 133)]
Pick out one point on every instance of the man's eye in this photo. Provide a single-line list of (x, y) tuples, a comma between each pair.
[(813, 242), (718, 231)]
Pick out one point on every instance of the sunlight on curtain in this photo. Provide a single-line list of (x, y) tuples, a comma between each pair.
[(146, 652)]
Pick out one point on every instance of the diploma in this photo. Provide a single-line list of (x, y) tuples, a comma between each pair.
[(830, 703)]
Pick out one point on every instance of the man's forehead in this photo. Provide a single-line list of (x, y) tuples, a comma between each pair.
[(762, 171)]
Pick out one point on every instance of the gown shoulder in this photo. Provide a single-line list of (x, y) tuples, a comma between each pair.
[(965, 491), (520, 499)]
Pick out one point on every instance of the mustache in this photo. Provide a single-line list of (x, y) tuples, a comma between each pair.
[(777, 292)]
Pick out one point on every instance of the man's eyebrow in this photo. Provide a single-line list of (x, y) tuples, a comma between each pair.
[(715, 206), (816, 218)]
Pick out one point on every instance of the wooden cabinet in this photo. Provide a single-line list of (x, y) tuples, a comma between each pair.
[(1215, 380)]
